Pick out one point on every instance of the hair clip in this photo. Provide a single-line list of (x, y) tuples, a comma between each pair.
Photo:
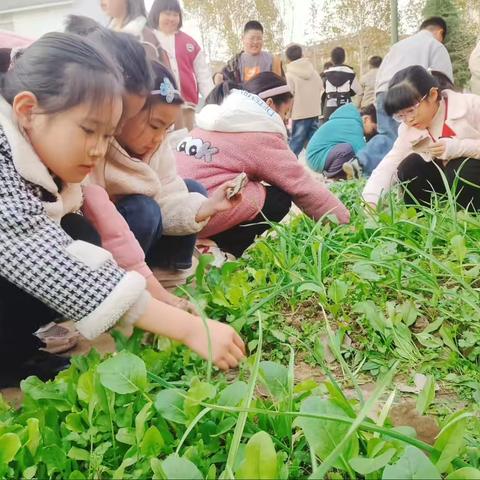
[(15, 54), (166, 90)]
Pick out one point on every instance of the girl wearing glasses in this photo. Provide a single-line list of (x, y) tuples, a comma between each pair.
[(439, 137)]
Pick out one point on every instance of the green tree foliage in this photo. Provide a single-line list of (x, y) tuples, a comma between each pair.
[(460, 40)]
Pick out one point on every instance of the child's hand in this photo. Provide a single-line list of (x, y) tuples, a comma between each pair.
[(221, 200), (437, 149), (185, 305), (218, 202), (228, 348)]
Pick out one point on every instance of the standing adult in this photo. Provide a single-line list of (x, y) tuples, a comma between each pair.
[(253, 59), (130, 16), (186, 58), (368, 82), (474, 64), (307, 88), (341, 83), (425, 48)]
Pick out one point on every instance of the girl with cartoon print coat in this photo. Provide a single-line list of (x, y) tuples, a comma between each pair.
[(247, 133)]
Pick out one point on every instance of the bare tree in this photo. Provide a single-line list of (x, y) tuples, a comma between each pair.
[(223, 21)]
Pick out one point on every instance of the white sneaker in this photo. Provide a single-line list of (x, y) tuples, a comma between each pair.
[(209, 247), (352, 169)]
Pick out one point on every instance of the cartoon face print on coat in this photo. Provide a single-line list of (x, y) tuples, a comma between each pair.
[(196, 147)]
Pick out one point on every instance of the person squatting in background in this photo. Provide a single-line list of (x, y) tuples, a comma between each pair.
[(333, 149), (438, 138), (247, 134)]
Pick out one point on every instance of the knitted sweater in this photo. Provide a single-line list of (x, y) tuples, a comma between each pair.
[(80, 281), (245, 135)]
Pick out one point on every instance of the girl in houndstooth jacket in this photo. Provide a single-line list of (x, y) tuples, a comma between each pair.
[(59, 108)]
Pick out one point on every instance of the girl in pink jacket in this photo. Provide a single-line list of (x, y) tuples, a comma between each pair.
[(439, 137), (247, 134)]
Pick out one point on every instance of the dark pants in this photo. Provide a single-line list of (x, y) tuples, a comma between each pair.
[(144, 218), (338, 155), (422, 178), (302, 132), (238, 239), (21, 314)]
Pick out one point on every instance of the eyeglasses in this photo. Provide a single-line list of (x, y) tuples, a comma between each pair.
[(410, 112)]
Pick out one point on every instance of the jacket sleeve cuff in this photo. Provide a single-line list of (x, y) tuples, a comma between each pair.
[(182, 222), (137, 310), (371, 197), (124, 296)]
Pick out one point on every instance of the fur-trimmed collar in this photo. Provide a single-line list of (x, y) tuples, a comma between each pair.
[(30, 167)]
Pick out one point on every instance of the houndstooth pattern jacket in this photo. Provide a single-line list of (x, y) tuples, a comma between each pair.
[(78, 280)]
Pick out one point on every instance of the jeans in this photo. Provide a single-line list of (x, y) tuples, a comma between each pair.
[(239, 238), (144, 218), (381, 144), (302, 132), (422, 178)]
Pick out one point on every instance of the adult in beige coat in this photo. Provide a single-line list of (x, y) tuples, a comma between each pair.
[(307, 88), (368, 82), (474, 64)]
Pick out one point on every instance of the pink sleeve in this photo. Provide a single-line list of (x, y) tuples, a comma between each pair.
[(113, 230), (280, 167)]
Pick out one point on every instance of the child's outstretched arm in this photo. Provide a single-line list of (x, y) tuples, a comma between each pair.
[(119, 240), (279, 166), (228, 348)]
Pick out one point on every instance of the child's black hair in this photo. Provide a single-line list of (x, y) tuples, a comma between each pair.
[(126, 49), (160, 6), (266, 81), (327, 65), (375, 61), (435, 22), (5, 54), (253, 25), (408, 87), (444, 82), (338, 56), (220, 92), (369, 111), (165, 89), (135, 9), (294, 52), (63, 70)]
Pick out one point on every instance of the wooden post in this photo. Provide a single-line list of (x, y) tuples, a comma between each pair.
[(394, 28)]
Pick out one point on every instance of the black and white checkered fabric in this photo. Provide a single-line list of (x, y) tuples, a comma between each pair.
[(33, 252)]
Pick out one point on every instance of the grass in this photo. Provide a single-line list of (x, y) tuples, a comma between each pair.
[(391, 295)]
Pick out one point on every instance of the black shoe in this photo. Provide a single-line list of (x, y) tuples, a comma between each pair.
[(43, 365)]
